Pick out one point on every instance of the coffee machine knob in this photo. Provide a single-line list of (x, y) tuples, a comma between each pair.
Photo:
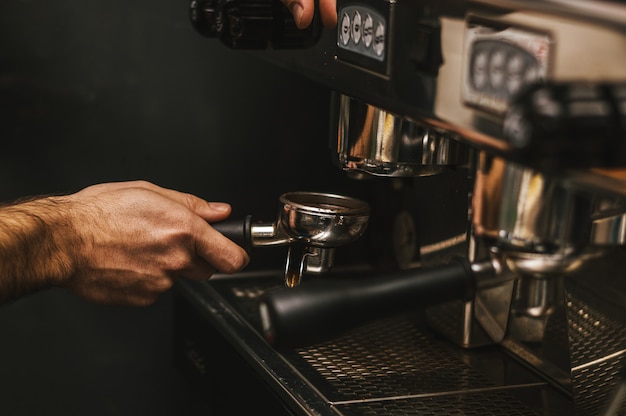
[(203, 14), (252, 24)]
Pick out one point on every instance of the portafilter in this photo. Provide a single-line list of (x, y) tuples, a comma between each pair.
[(312, 224)]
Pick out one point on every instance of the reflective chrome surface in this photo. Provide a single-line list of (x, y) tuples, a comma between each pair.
[(312, 224), (375, 141), (521, 209), (321, 219), (542, 223)]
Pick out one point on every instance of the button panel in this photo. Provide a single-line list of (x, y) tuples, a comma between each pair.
[(498, 64), (362, 30)]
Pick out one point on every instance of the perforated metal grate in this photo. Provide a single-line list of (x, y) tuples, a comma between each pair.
[(389, 358), (396, 367), (598, 349), (392, 368)]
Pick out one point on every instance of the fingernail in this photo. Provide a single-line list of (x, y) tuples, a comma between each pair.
[(297, 11), (220, 206)]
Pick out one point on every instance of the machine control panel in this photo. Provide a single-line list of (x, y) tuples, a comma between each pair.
[(499, 62), (362, 30), (363, 35)]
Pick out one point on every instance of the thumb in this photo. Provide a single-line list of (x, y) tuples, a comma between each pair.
[(302, 11), (213, 211)]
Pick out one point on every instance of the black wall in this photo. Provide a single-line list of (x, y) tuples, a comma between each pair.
[(98, 90), (109, 90)]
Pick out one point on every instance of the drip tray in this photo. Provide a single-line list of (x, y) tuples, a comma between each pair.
[(392, 366)]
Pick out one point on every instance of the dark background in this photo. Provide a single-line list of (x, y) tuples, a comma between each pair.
[(110, 90)]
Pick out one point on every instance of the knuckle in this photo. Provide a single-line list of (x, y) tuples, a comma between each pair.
[(179, 261), (235, 261)]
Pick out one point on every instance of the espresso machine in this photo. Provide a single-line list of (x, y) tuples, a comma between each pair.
[(490, 236)]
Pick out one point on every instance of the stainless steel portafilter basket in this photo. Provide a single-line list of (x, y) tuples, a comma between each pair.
[(312, 225), (322, 220)]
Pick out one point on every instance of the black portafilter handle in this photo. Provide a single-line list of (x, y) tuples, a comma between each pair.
[(239, 231), (318, 310)]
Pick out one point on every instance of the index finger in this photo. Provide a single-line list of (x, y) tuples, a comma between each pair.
[(219, 251), (209, 211)]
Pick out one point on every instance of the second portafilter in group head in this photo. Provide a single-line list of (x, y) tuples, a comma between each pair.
[(311, 224)]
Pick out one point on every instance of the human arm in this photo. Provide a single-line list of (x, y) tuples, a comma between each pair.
[(120, 243)]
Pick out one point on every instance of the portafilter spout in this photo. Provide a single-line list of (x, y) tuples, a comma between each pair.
[(312, 224)]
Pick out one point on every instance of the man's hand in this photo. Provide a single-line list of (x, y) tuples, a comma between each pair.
[(303, 11), (120, 243)]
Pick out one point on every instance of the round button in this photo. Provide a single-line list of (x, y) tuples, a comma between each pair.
[(514, 74), (479, 70), (532, 74), (496, 69), (379, 39), (356, 27), (368, 31), (344, 31)]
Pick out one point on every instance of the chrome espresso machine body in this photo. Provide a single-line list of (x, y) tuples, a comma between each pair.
[(516, 112)]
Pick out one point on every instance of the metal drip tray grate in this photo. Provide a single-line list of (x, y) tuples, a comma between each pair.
[(390, 367), (386, 359), (397, 366), (598, 347)]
